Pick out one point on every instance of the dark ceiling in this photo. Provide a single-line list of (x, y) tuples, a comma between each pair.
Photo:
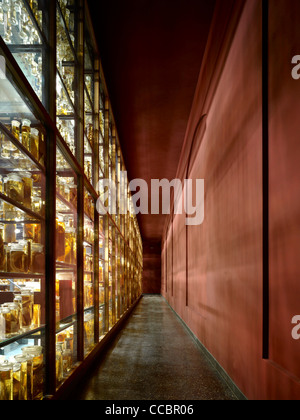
[(151, 52)]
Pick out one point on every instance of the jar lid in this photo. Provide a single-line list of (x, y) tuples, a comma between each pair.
[(6, 366), (13, 305), (37, 247), (35, 131), (26, 122), (25, 175), (16, 367), (21, 358), (17, 247), (15, 123), (14, 176), (4, 310), (26, 292), (34, 350)]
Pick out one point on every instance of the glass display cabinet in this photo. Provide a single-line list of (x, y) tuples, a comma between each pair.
[(68, 273)]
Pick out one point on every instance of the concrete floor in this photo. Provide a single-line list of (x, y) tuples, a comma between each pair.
[(154, 358)]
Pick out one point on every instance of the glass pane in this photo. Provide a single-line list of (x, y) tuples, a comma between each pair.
[(64, 103), (22, 247), (110, 277), (67, 130), (66, 17), (89, 140), (101, 277), (66, 264), (89, 238), (20, 27)]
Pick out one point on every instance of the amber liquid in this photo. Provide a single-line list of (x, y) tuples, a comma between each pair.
[(34, 146), (16, 131), (36, 316), (20, 383), (10, 212), (26, 137), (38, 262), (59, 368), (17, 385), (27, 311), (60, 241), (6, 386), (38, 378), (69, 248), (67, 362), (28, 183), (15, 190), (32, 232), (10, 233), (14, 322), (29, 390), (2, 252), (17, 262)]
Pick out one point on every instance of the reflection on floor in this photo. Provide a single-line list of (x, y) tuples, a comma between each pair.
[(154, 358)]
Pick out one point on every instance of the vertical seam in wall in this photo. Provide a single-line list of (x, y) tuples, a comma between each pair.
[(265, 169)]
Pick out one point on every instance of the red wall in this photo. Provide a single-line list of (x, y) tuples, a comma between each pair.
[(212, 275)]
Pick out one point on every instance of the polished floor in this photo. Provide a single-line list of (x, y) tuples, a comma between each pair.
[(154, 358)]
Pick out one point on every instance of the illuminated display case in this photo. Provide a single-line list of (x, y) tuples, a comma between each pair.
[(69, 270)]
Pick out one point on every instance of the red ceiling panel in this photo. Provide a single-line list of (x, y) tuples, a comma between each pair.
[(151, 52)]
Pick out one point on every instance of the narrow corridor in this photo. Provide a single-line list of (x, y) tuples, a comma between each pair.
[(154, 358)]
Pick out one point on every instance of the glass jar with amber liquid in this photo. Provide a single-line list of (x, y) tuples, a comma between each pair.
[(26, 130), (18, 301), (2, 325), (27, 309), (15, 129), (35, 143), (70, 246), (27, 185), (36, 321), (27, 359), (17, 258), (67, 362), (14, 315), (59, 363), (16, 381), (90, 134), (14, 187), (7, 147), (2, 249), (21, 378), (6, 381), (36, 352), (6, 322), (10, 213), (9, 233), (60, 240), (37, 258)]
